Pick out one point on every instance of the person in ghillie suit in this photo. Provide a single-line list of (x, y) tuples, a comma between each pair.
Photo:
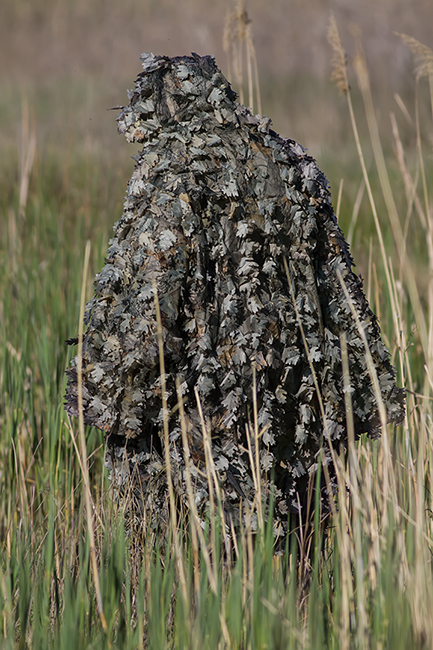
[(234, 226)]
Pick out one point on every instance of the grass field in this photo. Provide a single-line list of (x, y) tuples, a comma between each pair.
[(372, 586)]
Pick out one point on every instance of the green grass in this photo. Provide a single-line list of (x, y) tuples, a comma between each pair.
[(372, 584)]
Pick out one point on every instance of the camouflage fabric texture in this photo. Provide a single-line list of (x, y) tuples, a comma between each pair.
[(216, 204)]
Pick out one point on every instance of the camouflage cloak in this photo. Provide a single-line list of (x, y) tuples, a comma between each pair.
[(216, 203)]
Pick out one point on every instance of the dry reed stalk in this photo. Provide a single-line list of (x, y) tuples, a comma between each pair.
[(424, 67), (343, 534), (225, 632), (388, 478), (424, 60), (353, 461), (403, 108), (368, 357), (377, 294), (194, 522), (429, 228), (335, 462), (310, 363), (371, 517), (257, 435), (211, 470), (427, 209), (394, 220), (14, 242), (405, 367), (398, 333), (256, 480), (195, 519), (339, 195), (339, 75), (233, 537), (253, 436), (420, 584), (352, 479), (166, 417), (426, 335), (339, 59), (370, 271), (83, 448), (78, 451), (211, 476), (237, 37), (355, 213), (27, 154), (410, 185), (21, 500)]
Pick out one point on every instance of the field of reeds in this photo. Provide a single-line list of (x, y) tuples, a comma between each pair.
[(69, 576)]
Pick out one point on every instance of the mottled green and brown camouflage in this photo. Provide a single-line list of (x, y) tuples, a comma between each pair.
[(215, 204)]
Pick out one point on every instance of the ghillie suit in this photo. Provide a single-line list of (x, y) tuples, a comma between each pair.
[(216, 204)]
